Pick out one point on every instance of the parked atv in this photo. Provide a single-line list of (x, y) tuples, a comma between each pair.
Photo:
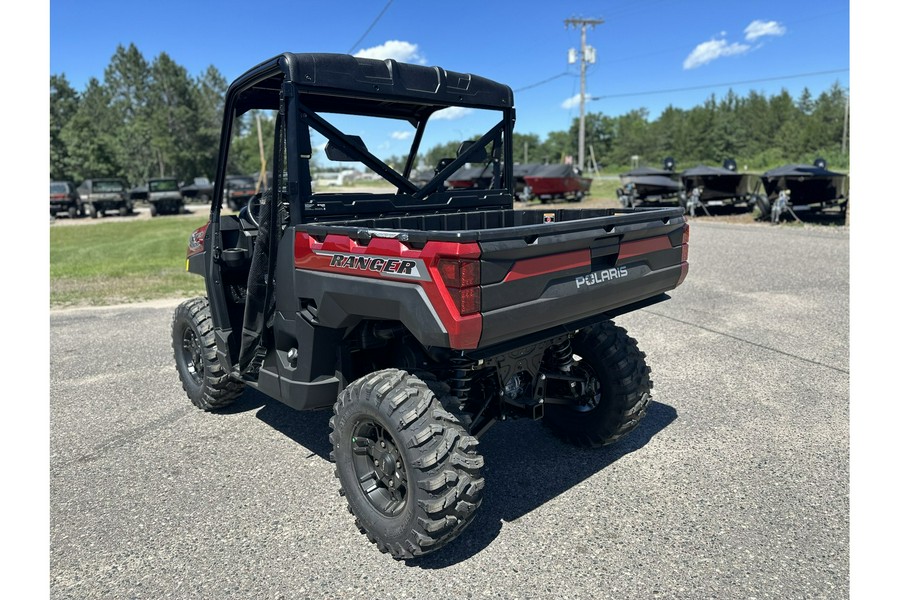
[(422, 315)]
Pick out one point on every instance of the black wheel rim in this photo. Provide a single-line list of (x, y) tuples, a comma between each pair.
[(190, 353), (378, 467)]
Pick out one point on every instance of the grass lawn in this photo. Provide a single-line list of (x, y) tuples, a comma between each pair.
[(113, 263)]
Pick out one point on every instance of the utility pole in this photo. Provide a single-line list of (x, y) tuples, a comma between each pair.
[(588, 55), (263, 178)]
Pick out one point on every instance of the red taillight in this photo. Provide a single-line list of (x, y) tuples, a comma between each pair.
[(684, 254), (57, 196), (463, 280), (460, 273), (684, 272), (467, 300)]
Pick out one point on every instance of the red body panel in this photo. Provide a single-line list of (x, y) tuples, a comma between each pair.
[(464, 330)]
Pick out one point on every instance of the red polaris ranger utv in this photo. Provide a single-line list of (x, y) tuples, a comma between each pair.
[(420, 315)]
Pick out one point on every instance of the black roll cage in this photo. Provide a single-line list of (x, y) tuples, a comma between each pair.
[(299, 86)]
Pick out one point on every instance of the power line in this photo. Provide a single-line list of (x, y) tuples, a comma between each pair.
[(714, 85), (363, 36), (543, 81)]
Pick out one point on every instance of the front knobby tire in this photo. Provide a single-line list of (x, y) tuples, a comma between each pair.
[(409, 470), (618, 392), (203, 377)]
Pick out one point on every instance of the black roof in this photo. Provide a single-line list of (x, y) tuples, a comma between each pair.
[(342, 83)]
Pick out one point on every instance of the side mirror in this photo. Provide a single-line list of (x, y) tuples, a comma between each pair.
[(337, 153), (442, 164), (479, 156)]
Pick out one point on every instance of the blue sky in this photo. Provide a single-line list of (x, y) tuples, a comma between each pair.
[(646, 49)]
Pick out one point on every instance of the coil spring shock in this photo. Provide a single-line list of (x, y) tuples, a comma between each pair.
[(461, 379), (561, 355)]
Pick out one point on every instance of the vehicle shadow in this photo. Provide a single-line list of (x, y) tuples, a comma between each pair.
[(514, 487), (307, 428)]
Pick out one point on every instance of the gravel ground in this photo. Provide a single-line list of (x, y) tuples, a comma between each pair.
[(736, 484)]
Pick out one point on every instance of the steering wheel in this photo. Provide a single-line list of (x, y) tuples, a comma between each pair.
[(247, 213)]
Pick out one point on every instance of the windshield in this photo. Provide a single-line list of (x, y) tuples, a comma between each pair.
[(166, 185), (58, 188), (108, 186)]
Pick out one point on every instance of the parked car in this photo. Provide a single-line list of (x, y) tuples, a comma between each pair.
[(64, 198), (238, 191), (164, 196), (103, 195), (201, 190)]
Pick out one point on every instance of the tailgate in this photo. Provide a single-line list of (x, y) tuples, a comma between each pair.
[(536, 283)]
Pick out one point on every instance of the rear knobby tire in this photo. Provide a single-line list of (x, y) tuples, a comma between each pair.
[(203, 377), (622, 378), (409, 470)]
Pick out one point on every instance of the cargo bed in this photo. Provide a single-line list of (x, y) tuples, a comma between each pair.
[(537, 269)]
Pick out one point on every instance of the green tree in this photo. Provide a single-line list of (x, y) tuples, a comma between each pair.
[(209, 91), (556, 147), (63, 106), (632, 137), (172, 115), (439, 151), (521, 141), (89, 137), (127, 80), (826, 127), (243, 156)]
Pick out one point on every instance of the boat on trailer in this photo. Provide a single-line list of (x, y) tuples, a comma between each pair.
[(556, 182), (803, 188), (649, 185), (706, 187)]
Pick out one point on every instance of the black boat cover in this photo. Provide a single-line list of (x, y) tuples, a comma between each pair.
[(808, 184), (656, 181), (705, 171), (554, 171), (800, 171), (647, 172)]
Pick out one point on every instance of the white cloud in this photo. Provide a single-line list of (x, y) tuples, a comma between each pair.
[(574, 101), (401, 135), (711, 50), (450, 113), (396, 49), (758, 29)]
